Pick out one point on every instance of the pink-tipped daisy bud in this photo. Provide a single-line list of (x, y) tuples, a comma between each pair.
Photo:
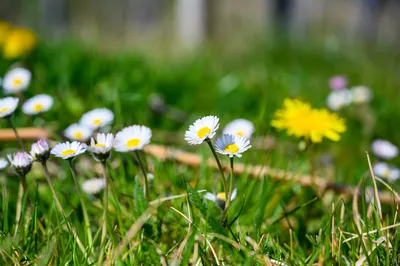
[(21, 162), (40, 151)]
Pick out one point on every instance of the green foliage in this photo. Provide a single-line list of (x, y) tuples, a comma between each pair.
[(269, 220)]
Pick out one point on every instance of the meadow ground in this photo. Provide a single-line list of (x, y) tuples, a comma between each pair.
[(270, 221)]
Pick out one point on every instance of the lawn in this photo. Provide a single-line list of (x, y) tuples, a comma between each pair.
[(271, 220)]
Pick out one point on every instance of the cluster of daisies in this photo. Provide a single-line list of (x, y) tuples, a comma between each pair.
[(299, 119), (385, 151), (341, 96), (15, 81), (234, 141)]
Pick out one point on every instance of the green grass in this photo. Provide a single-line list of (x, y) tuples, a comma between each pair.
[(281, 221)]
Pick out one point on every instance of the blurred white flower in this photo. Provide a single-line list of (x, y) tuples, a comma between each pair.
[(240, 127), (16, 80), (384, 149), (97, 118), (361, 94), (94, 185), (78, 132), (386, 171), (102, 146), (8, 106), (201, 129), (40, 151), (219, 198), (37, 104), (132, 138), (3, 163), (338, 99), (232, 145), (68, 150), (21, 162)]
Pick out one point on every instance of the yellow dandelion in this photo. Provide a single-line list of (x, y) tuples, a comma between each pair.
[(4, 31), (19, 42), (299, 119)]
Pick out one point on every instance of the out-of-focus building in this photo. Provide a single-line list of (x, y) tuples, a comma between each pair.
[(191, 22)]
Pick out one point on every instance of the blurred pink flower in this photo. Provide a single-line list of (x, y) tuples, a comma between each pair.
[(338, 82)]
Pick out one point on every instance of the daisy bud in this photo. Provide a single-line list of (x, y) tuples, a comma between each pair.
[(21, 162), (101, 148), (40, 151)]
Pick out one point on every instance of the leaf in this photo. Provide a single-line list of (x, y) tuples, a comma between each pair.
[(139, 199)]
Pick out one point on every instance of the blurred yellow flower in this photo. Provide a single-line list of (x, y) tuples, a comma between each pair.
[(299, 119), (19, 42), (4, 30)]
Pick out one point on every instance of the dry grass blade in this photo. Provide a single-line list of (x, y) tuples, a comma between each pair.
[(130, 234), (376, 193), (372, 232)]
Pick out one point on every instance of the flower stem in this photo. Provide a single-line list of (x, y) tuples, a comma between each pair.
[(21, 193), (105, 209), (61, 209), (85, 215), (146, 184), (228, 201), (220, 168), (21, 143)]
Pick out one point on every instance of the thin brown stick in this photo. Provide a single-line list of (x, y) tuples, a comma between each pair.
[(28, 133), (258, 171)]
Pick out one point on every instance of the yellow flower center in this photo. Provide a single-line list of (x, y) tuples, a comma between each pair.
[(38, 107), (133, 143), (97, 122), (4, 109), (221, 196), (232, 148), (240, 133), (99, 145), (78, 135), (67, 152), (203, 132), (17, 82)]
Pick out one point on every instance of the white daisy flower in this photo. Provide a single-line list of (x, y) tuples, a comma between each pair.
[(338, 99), (102, 146), (94, 185), (68, 150), (240, 127), (78, 132), (3, 163), (8, 106), (384, 149), (232, 145), (21, 162), (219, 198), (40, 151), (37, 104), (201, 129), (386, 171), (361, 94), (16, 80), (132, 138), (97, 118)]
